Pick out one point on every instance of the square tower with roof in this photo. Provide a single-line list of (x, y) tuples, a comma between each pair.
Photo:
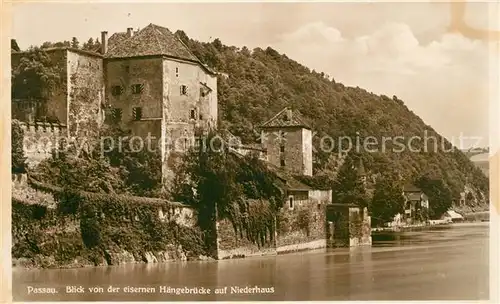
[(287, 138)]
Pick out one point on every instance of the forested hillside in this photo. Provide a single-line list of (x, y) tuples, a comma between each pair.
[(261, 82)]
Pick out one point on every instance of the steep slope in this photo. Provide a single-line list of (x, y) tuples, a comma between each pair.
[(261, 82)]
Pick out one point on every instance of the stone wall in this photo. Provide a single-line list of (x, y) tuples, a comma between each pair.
[(184, 112), (232, 244), (85, 94), (23, 192), (359, 228), (58, 238), (300, 228), (127, 72), (348, 226), (303, 224), (182, 215), (200, 94), (40, 139)]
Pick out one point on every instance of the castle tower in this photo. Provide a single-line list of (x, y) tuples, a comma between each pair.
[(288, 142), (155, 86)]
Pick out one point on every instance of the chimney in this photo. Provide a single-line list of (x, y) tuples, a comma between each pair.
[(130, 31), (288, 114), (104, 42)]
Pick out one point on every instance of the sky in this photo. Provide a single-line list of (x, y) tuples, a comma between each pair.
[(415, 50)]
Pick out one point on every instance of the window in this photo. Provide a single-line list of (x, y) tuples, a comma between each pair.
[(137, 88), (282, 149), (137, 113), (192, 114), (282, 162), (202, 92), (281, 136), (201, 117), (184, 90), (127, 68), (116, 114), (116, 90), (176, 72), (290, 202)]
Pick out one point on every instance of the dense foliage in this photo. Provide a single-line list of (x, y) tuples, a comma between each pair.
[(439, 195), (111, 168), (35, 76), (349, 187), (108, 224), (17, 153), (221, 184), (387, 201), (261, 82)]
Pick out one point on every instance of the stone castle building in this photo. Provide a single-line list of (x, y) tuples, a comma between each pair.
[(146, 81), (149, 83)]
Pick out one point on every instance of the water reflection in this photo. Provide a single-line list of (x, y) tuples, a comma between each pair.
[(426, 265)]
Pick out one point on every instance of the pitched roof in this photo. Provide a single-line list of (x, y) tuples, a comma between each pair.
[(286, 118), (413, 196), (115, 39), (411, 188), (288, 181), (151, 40)]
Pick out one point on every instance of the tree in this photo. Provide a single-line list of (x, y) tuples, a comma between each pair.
[(214, 176), (35, 76), (139, 168), (217, 44), (64, 43), (387, 200), (17, 154), (115, 169), (97, 44), (74, 43), (348, 188), (13, 46), (47, 45), (440, 198), (89, 45)]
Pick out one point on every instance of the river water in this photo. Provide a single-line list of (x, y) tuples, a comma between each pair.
[(445, 263)]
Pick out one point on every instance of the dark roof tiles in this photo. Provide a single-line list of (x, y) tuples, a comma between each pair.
[(151, 40), (286, 118)]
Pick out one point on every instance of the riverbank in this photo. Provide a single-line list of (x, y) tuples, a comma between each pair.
[(451, 265)]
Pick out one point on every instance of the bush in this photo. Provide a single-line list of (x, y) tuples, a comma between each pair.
[(17, 155)]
